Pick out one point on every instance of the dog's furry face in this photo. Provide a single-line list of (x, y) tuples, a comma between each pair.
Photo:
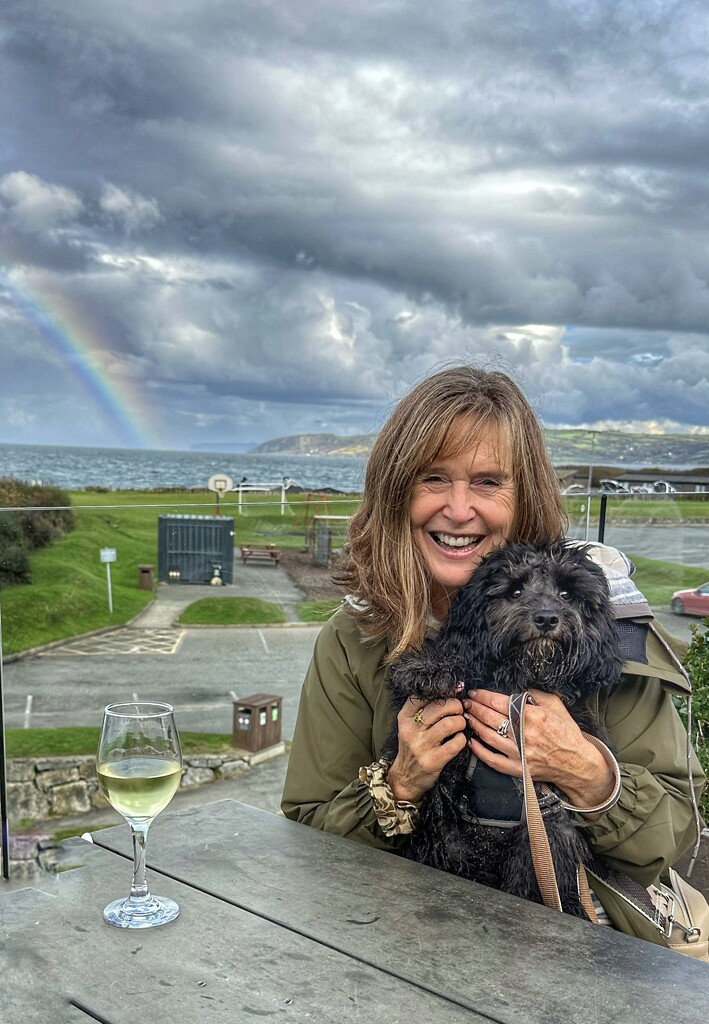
[(535, 617)]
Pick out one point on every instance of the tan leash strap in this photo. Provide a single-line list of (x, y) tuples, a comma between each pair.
[(585, 895), (538, 839)]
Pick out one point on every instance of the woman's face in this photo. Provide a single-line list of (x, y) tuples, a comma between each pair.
[(461, 509)]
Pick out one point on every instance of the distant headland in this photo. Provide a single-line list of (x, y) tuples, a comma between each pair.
[(566, 447)]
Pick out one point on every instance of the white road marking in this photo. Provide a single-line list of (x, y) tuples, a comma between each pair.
[(263, 641)]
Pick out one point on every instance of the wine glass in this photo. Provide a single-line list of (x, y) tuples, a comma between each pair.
[(139, 766)]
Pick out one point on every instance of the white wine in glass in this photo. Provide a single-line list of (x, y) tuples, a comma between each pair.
[(139, 766)]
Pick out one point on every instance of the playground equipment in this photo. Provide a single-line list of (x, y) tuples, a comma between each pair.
[(245, 487), (314, 504)]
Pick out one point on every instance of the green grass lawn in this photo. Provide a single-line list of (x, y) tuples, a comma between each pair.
[(76, 740), (658, 580), (317, 611), (68, 594), (230, 611), (673, 509)]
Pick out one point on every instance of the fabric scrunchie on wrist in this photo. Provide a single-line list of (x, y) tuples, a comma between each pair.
[(395, 817)]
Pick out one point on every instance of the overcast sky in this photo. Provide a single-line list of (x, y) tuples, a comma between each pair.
[(229, 220)]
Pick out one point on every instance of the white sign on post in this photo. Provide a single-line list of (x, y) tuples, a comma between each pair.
[(108, 555)]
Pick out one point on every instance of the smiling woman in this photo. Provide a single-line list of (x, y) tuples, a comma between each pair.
[(459, 470), (464, 451)]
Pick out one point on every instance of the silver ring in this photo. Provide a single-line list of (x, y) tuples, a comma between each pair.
[(503, 727)]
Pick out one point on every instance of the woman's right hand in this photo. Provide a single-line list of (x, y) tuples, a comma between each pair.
[(431, 733)]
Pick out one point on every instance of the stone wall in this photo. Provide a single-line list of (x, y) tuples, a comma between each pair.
[(39, 789)]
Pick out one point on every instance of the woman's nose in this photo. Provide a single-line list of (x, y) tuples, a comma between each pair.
[(460, 503)]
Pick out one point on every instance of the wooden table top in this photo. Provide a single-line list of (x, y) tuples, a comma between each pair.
[(277, 918)]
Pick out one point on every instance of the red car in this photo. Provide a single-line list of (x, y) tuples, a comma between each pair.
[(691, 602)]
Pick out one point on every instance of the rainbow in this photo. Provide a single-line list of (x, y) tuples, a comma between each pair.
[(64, 327)]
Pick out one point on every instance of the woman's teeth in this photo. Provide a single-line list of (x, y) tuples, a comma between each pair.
[(449, 541)]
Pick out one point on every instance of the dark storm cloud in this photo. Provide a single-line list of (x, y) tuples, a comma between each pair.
[(276, 215)]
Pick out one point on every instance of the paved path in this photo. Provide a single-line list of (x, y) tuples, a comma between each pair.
[(199, 670), (267, 582)]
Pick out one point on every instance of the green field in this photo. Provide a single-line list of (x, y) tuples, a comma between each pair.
[(231, 611), (658, 580), (79, 740), (68, 594), (643, 508)]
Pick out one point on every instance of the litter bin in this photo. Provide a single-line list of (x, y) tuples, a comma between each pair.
[(145, 577), (257, 722)]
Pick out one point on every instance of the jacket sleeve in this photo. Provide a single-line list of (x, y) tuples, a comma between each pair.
[(333, 738), (652, 824)]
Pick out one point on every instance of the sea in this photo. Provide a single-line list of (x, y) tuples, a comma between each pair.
[(75, 468), (147, 469)]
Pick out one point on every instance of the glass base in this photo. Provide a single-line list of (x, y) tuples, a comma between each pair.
[(143, 912)]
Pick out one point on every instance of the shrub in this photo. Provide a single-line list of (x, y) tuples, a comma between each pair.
[(22, 531), (14, 554), (14, 565), (697, 665)]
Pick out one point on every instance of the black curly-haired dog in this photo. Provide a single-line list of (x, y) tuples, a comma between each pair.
[(529, 618)]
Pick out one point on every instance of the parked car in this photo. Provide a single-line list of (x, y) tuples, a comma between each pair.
[(662, 487), (691, 602), (613, 487), (575, 489)]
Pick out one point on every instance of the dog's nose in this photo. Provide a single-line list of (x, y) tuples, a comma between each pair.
[(545, 621)]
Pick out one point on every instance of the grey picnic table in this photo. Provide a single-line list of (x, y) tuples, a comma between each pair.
[(281, 920)]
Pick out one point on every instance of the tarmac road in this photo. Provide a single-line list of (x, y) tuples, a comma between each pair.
[(198, 678)]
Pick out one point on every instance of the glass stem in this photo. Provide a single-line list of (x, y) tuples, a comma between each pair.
[(139, 887)]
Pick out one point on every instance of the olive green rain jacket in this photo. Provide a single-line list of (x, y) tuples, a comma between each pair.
[(344, 719)]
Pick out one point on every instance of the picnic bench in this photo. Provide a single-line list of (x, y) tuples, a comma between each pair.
[(260, 552)]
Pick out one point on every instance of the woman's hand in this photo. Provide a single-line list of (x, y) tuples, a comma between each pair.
[(555, 748), (430, 734)]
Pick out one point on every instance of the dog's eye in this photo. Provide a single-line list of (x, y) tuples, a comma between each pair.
[(517, 592), (564, 594)]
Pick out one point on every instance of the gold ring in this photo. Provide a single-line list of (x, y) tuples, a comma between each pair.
[(418, 718)]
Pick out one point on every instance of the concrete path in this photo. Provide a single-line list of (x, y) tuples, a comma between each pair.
[(267, 582)]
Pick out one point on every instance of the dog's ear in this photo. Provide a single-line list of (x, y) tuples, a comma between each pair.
[(465, 636)]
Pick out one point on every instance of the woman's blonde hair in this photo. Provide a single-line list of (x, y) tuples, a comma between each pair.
[(381, 566)]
